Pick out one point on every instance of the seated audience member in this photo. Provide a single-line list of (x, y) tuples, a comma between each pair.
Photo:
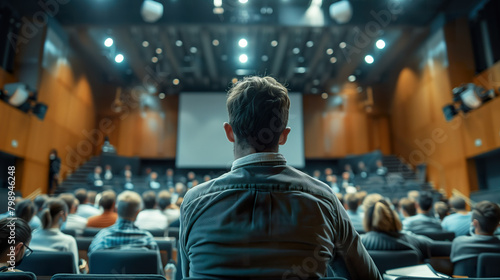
[(108, 173), (383, 229), (263, 218), (50, 237), (346, 181), (441, 210), (348, 169), (39, 201), (413, 195), (459, 222), (95, 179), (127, 183), (351, 204), (423, 221), (151, 217), (127, 168), (317, 174), (381, 169), (363, 171), (485, 219), (169, 178), (26, 210), (86, 209), (191, 177), (180, 191), (73, 221), (19, 245), (152, 181), (171, 210), (206, 178), (124, 234), (108, 216), (408, 208), (331, 180)]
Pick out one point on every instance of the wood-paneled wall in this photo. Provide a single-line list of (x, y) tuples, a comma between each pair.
[(70, 115), (420, 131)]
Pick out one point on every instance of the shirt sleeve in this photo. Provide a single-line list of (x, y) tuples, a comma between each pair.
[(351, 257)]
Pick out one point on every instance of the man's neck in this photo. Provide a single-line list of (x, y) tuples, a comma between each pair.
[(240, 151), (463, 212), (420, 211)]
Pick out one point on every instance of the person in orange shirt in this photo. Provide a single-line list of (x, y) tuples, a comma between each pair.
[(109, 216)]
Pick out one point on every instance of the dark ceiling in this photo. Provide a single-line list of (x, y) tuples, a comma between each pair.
[(201, 50)]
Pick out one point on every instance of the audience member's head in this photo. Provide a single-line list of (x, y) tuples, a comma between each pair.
[(257, 104), (379, 163), (340, 198), (128, 174), (70, 201), (408, 208), (316, 173), (424, 202), (108, 200), (128, 167), (180, 188), (328, 171), (128, 205), (97, 170), (107, 167), (54, 213), (149, 199), (206, 178), (346, 175), (22, 233), (457, 204), (347, 168), (40, 201), (351, 202), (153, 176), (485, 217), (361, 196), (379, 216), (413, 195), (81, 195), (148, 171), (191, 176), (25, 210), (91, 197), (164, 199), (170, 172), (441, 209), (361, 165)]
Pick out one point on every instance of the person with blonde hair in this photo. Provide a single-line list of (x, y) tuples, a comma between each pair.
[(383, 229)]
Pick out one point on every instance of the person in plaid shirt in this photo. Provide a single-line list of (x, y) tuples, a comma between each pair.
[(124, 234)]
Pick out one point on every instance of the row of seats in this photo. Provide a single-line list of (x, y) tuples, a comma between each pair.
[(91, 232)]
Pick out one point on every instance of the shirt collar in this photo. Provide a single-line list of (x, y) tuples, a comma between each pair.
[(124, 223), (261, 158)]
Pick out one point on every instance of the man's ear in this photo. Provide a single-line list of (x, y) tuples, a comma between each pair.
[(475, 223), (18, 248), (284, 136), (229, 132)]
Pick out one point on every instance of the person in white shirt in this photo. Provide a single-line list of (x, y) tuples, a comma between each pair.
[(168, 208), (151, 217), (50, 237), (108, 173), (73, 221), (86, 209)]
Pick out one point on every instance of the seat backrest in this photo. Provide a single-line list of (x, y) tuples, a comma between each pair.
[(83, 243), (467, 267), (385, 260), (488, 265), (173, 232), (157, 232), (71, 232), (48, 263), (439, 235), (123, 262), (166, 249), (18, 276), (440, 249), (90, 232), (107, 277)]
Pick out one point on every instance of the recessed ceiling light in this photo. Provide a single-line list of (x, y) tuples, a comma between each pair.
[(342, 45), (145, 44), (324, 95), (296, 50), (369, 59), (178, 43), (175, 81), (218, 3), (193, 49), (243, 1), (352, 78), (380, 44), (242, 43), (161, 95), (215, 42), (159, 51), (119, 58), (265, 58), (154, 59), (333, 59), (243, 58), (108, 42), (309, 44), (274, 43), (329, 51)]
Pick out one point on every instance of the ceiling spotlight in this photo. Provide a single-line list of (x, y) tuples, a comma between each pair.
[(218, 3), (215, 42), (108, 42), (178, 43), (145, 44), (159, 51), (329, 51), (342, 45), (333, 59), (309, 44), (154, 59), (324, 95), (193, 49), (151, 11), (119, 58), (296, 50), (265, 58), (243, 1), (369, 59), (380, 44), (161, 95), (301, 59), (175, 81), (341, 11), (242, 43), (243, 58), (352, 78), (274, 43)]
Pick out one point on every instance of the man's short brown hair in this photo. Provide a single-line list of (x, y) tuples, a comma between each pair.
[(258, 112), (108, 199)]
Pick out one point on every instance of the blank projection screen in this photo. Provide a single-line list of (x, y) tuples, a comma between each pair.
[(202, 143)]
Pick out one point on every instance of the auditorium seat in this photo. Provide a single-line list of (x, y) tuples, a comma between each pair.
[(83, 244), (173, 232), (385, 260), (166, 250), (157, 232), (488, 265), (107, 277), (71, 232), (48, 263), (439, 235), (123, 262), (467, 267), (439, 252), (18, 276), (90, 232)]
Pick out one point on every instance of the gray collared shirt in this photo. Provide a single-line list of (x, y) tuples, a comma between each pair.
[(267, 219)]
